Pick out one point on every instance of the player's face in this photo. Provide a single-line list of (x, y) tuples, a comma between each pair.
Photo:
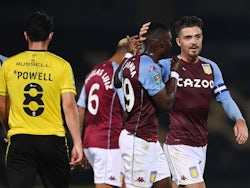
[(166, 45), (190, 42)]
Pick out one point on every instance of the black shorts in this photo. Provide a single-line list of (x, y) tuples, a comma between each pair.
[(29, 155)]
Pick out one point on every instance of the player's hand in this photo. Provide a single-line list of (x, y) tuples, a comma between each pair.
[(85, 162), (176, 64), (76, 155), (240, 131), (134, 44), (143, 31)]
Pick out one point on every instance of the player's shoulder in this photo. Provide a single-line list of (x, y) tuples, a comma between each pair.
[(210, 62), (147, 65), (206, 60), (12, 58), (165, 62), (146, 61)]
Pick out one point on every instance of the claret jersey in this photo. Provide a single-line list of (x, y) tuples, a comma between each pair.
[(188, 116), (34, 81), (104, 116), (141, 79)]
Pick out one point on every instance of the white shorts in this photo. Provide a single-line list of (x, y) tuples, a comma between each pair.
[(106, 164), (143, 162), (187, 163)]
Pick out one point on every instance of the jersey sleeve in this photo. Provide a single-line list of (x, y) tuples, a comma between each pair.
[(223, 95), (220, 89), (68, 80), (82, 98), (3, 86), (150, 76), (231, 109)]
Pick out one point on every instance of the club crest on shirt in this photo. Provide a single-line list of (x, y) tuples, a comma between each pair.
[(157, 79), (153, 176), (207, 68), (193, 172)]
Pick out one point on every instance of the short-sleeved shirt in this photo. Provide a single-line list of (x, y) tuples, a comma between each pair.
[(104, 104), (35, 81), (142, 79)]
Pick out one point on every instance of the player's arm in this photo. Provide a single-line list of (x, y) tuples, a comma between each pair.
[(168, 94), (152, 82), (163, 100), (143, 30), (230, 107), (176, 67), (117, 76), (134, 47), (118, 73), (72, 121), (81, 107), (175, 70), (233, 112), (118, 91)]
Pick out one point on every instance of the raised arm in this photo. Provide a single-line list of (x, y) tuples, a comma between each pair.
[(165, 98), (134, 47)]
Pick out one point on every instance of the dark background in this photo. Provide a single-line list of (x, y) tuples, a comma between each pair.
[(86, 33)]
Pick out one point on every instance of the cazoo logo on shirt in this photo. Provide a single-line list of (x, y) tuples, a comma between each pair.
[(196, 83)]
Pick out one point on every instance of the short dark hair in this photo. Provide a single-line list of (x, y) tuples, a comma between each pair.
[(187, 21), (39, 25), (155, 29)]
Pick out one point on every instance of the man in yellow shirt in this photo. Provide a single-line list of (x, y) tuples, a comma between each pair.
[(34, 85)]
